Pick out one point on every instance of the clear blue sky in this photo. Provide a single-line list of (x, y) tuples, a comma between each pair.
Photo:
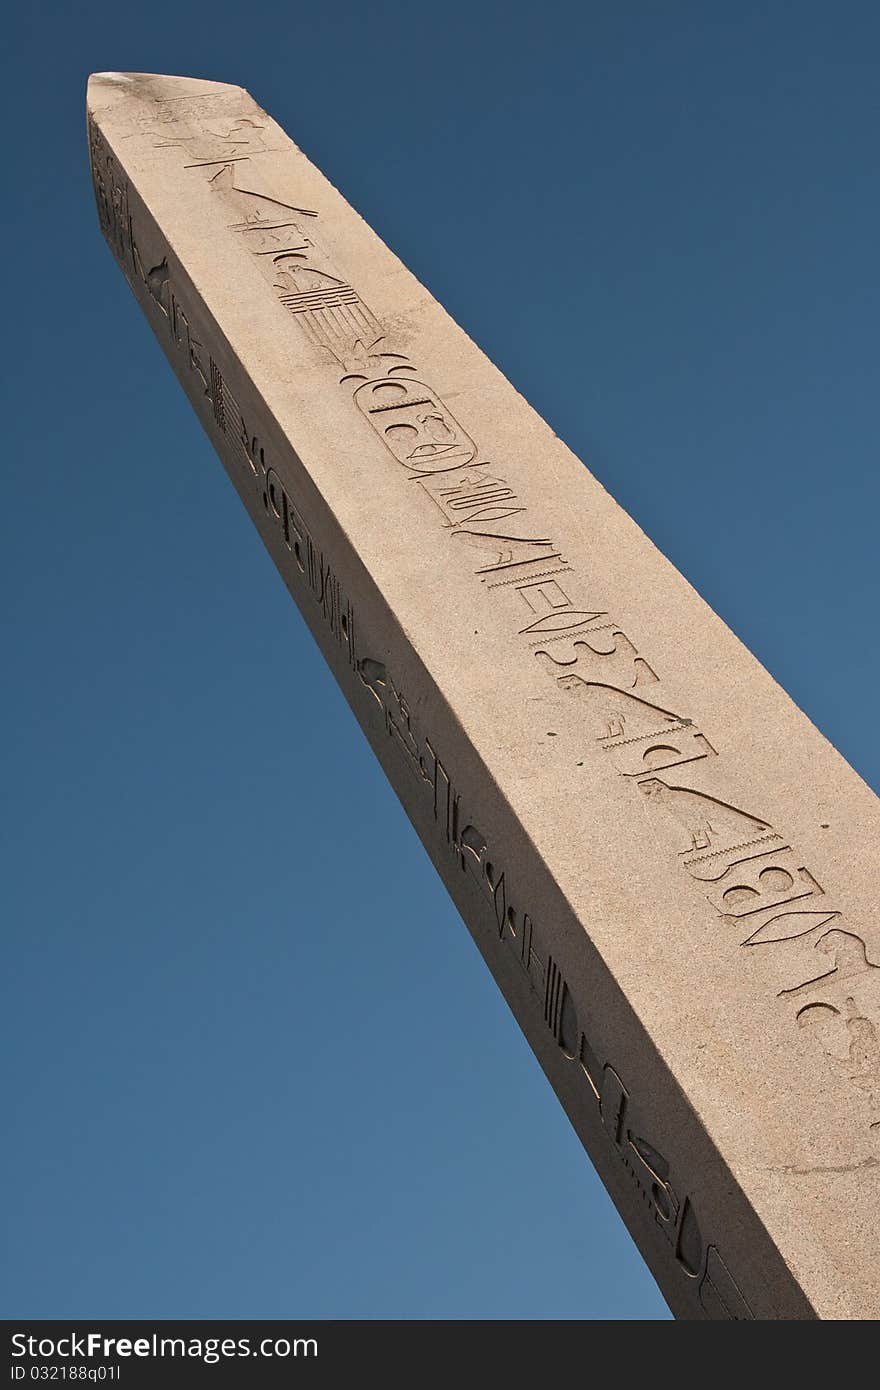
[(253, 1063)]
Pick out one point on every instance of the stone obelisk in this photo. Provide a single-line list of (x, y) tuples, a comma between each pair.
[(671, 874)]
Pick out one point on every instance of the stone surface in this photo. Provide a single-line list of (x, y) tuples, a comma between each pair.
[(671, 874)]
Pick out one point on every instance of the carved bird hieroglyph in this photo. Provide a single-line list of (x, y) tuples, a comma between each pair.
[(500, 548), (861, 1065), (708, 824)]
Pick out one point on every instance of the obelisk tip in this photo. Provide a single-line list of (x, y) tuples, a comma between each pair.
[(109, 89)]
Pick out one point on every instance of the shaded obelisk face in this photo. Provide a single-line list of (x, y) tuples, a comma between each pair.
[(670, 873)]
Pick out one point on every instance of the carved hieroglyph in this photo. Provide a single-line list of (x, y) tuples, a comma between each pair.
[(670, 872)]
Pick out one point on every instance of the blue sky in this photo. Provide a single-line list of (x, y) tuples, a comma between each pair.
[(661, 221)]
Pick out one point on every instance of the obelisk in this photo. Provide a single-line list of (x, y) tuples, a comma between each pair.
[(669, 871)]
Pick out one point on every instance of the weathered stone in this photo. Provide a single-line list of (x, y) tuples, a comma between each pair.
[(669, 871)]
